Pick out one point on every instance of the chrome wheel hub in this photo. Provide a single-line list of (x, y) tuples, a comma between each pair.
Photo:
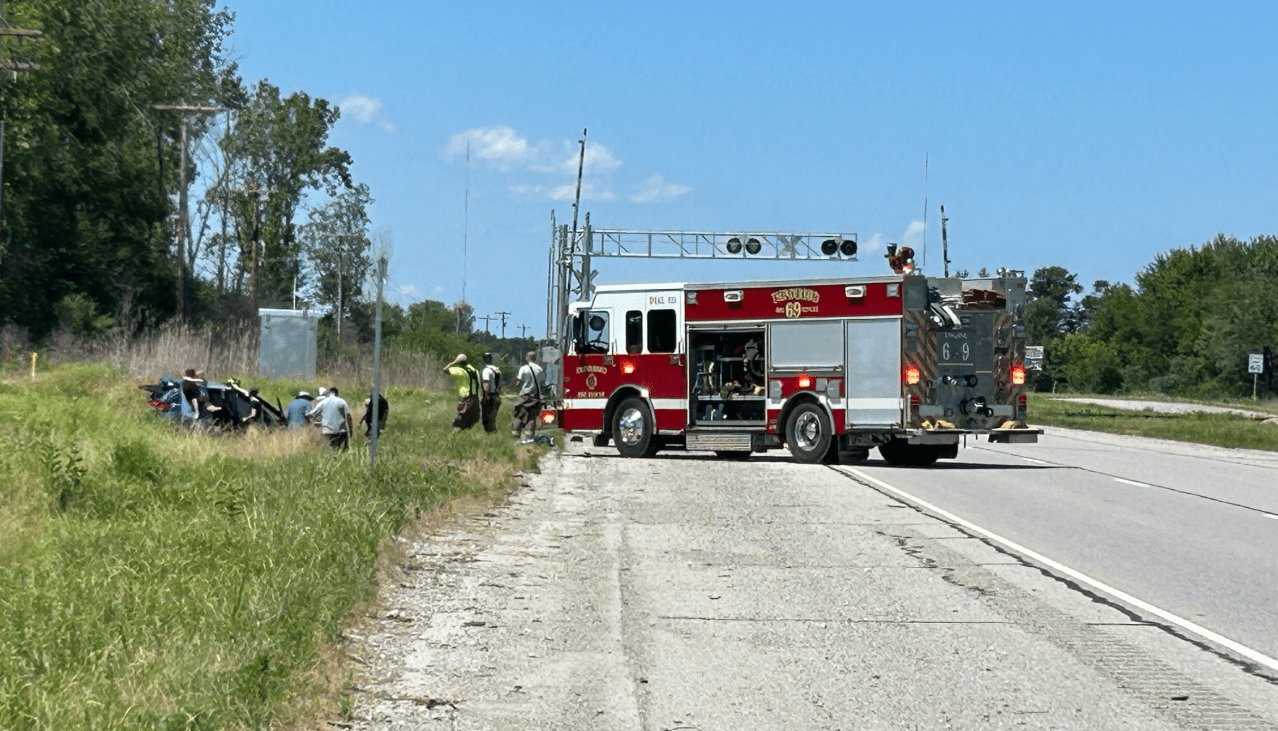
[(631, 424)]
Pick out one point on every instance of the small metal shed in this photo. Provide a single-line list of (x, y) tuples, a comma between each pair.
[(288, 344)]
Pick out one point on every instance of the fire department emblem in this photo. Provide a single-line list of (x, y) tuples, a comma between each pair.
[(591, 381)]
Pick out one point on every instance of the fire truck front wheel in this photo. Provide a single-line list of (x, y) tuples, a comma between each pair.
[(808, 433), (633, 429)]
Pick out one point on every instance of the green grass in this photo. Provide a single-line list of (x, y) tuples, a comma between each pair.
[(155, 579), (1222, 430)]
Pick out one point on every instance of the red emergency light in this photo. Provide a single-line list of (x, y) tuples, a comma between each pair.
[(1018, 375), (805, 381), (547, 417), (627, 367), (912, 375)]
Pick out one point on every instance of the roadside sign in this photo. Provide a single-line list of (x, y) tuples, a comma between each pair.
[(1255, 363), (1034, 357)]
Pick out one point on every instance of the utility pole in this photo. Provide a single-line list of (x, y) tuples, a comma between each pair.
[(183, 219), (14, 66), (485, 318), (375, 399), (503, 316), (523, 331)]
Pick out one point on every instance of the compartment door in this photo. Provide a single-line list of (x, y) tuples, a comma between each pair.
[(873, 386)]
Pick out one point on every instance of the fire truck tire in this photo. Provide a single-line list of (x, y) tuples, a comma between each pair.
[(808, 433), (900, 453), (633, 429)]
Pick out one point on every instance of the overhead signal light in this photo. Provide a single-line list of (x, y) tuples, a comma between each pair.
[(848, 247), (734, 245), (753, 247), (829, 247)]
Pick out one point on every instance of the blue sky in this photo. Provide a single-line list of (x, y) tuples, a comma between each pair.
[(1092, 136)]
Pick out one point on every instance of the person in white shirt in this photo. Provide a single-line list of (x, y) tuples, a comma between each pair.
[(528, 408), (490, 392)]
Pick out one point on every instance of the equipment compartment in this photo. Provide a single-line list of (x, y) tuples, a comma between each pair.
[(727, 377)]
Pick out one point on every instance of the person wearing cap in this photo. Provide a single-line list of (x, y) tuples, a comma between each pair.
[(296, 410), (490, 400), (467, 380), (313, 413)]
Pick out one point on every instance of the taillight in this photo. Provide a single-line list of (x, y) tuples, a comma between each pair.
[(1020, 404), (1018, 375), (912, 375), (805, 381)]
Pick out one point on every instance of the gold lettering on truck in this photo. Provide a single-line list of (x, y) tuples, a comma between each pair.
[(803, 294)]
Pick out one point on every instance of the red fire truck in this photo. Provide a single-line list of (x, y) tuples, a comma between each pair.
[(827, 368)]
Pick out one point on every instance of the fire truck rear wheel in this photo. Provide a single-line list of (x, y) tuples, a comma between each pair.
[(900, 453), (633, 429), (808, 433)]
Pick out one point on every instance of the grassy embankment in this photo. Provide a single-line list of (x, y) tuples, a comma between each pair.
[(1223, 430), (155, 579)]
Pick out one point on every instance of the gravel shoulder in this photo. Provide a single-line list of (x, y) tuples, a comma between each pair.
[(684, 592)]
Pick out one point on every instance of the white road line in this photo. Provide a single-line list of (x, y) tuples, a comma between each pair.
[(1270, 515), (1181, 622), (1031, 460), (1130, 482)]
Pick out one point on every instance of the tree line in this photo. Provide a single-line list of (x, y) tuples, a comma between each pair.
[(1185, 327), (94, 170)]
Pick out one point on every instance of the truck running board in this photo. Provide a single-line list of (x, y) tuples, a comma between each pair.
[(720, 442)]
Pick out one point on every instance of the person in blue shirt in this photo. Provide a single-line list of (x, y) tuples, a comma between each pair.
[(296, 410)]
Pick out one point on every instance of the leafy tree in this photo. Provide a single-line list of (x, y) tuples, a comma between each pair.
[(90, 163), (1048, 315), (338, 249), (281, 145)]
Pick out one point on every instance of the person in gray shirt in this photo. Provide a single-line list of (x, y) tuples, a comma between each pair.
[(335, 420)]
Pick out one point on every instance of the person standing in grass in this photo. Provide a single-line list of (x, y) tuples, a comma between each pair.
[(335, 420), (491, 399), (383, 410), (527, 409), (296, 410), (467, 379)]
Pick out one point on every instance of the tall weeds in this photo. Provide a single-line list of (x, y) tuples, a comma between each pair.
[(226, 351), (163, 579)]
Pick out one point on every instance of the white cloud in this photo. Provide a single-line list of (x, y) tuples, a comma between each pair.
[(504, 148), (656, 190), (913, 236), (365, 110), (589, 191), (873, 244)]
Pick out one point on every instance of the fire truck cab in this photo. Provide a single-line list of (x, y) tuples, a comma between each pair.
[(827, 368)]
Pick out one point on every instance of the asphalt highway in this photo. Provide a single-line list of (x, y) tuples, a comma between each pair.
[(1189, 529), (687, 592)]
